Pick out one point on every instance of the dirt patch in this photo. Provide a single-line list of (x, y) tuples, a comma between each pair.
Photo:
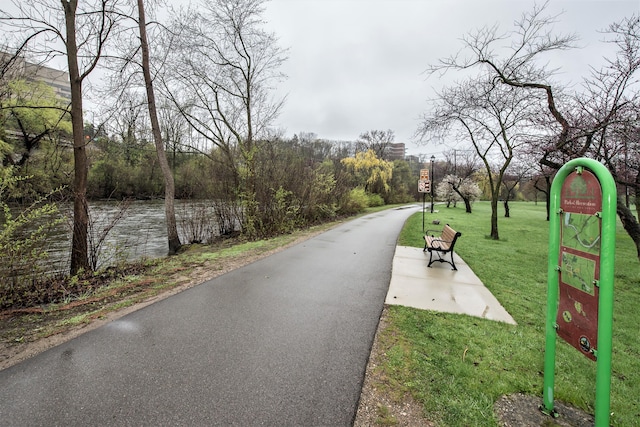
[(521, 410)]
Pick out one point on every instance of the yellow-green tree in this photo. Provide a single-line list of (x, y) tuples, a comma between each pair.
[(34, 114), (370, 172)]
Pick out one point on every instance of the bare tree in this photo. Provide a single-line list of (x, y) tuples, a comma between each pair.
[(169, 185), (596, 121), (126, 119), (377, 140), (610, 108), (223, 72), (82, 30), (132, 68), (495, 118), (174, 129), (461, 162), (513, 178)]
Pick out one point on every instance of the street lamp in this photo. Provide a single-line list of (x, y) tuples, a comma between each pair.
[(433, 158)]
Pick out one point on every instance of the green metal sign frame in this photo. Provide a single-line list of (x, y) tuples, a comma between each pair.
[(605, 284)]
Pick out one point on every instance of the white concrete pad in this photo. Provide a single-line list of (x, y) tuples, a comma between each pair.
[(440, 288)]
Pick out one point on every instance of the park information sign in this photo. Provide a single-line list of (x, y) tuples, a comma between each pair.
[(582, 230), (580, 206)]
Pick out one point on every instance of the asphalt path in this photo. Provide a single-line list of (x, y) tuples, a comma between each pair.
[(283, 341)]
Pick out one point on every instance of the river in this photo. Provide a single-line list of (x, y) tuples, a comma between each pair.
[(140, 232)]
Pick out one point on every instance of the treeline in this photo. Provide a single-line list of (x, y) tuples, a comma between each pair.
[(297, 182), (121, 170)]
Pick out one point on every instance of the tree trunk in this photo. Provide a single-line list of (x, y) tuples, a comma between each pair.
[(467, 204), (466, 200), (506, 209), (547, 195), (79, 247), (635, 192), (494, 217), (169, 185), (630, 224)]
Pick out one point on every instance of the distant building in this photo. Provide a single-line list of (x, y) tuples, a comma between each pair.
[(413, 159), (395, 151), (13, 68), (57, 79)]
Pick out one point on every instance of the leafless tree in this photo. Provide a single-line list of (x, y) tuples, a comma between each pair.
[(513, 178), (126, 120), (78, 31), (461, 162), (174, 129), (169, 185), (223, 71), (596, 121), (610, 116), (132, 69), (494, 117), (377, 140)]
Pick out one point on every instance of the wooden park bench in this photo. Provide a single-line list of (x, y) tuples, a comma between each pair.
[(441, 244)]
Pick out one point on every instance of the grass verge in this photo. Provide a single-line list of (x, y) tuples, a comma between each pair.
[(458, 366)]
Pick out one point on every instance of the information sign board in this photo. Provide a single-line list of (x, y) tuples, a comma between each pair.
[(579, 261), (580, 274)]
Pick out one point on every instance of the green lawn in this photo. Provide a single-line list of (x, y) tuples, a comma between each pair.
[(458, 366)]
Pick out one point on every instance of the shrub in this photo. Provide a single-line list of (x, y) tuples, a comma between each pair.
[(355, 201), (23, 238), (375, 200)]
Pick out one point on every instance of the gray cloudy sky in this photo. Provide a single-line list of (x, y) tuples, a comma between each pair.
[(357, 65)]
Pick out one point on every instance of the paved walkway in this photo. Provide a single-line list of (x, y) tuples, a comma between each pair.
[(440, 288)]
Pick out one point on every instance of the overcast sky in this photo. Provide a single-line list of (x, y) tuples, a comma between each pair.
[(358, 65)]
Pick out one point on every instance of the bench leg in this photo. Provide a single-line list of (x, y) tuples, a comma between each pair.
[(430, 257), (453, 264), (440, 259)]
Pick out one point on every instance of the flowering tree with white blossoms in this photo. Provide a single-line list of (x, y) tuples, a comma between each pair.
[(453, 188)]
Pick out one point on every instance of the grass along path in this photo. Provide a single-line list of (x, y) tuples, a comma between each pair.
[(458, 366)]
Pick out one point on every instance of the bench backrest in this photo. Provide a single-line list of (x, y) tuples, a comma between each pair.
[(449, 234)]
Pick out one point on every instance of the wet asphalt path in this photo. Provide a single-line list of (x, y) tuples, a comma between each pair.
[(281, 342)]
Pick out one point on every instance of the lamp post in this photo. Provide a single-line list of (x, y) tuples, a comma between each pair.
[(433, 158)]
